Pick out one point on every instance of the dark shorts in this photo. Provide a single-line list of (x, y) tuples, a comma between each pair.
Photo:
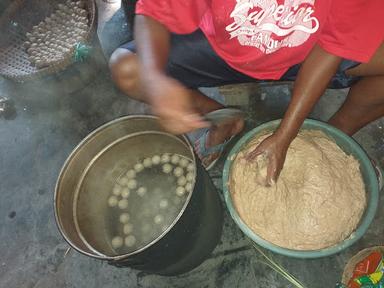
[(194, 63)]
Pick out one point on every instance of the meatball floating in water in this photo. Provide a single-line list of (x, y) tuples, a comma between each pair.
[(155, 189), (141, 191), (116, 190), (190, 176), (183, 162), (123, 204), (132, 184), (156, 159), (147, 162), (139, 167), (191, 167), (125, 193), (180, 191), (163, 203), (158, 219), (124, 218), (188, 187), (112, 201), (167, 168), (117, 242), (131, 174), (178, 171), (123, 181), (181, 181), (175, 159), (130, 241), (165, 158)]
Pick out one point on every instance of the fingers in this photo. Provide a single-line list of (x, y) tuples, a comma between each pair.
[(195, 121), (253, 154), (184, 124), (274, 169), (262, 148), (271, 172), (275, 157)]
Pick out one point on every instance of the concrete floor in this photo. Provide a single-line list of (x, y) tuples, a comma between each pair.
[(48, 124)]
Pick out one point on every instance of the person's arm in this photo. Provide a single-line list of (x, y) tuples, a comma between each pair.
[(152, 41), (169, 99), (312, 80)]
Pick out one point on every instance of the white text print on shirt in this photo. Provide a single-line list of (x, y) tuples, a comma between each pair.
[(268, 26)]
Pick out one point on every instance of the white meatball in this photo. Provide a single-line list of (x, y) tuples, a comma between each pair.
[(167, 168), (131, 174), (188, 187), (190, 176), (163, 203), (181, 181), (112, 201), (191, 167), (180, 191), (183, 162), (141, 191), (147, 162), (128, 228), (138, 167), (123, 181), (165, 158), (125, 193), (124, 218), (123, 204), (158, 219), (178, 171), (116, 190), (175, 159), (130, 241), (132, 184), (156, 159), (117, 242)]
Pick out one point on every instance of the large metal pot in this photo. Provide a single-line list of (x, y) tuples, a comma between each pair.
[(81, 193)]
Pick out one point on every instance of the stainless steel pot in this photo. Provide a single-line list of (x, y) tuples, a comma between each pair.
[(84, 183)]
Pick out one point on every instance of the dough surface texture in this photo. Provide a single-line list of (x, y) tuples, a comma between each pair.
[(317, 202)]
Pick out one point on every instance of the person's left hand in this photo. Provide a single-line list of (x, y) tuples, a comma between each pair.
[(274, 148)]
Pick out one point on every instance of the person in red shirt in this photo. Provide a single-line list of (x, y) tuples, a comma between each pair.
[(182, 45)]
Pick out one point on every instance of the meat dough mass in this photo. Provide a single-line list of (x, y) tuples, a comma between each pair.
[(316, 203)]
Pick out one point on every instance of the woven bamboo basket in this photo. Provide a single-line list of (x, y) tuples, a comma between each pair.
[(348, 270), (16, 21)]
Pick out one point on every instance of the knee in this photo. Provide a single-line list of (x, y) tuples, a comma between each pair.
[(124, 69)]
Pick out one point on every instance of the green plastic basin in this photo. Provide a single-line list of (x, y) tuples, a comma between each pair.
[(351, 147)]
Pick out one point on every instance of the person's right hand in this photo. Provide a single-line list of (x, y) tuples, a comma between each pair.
[(172, 103), (274, 149)]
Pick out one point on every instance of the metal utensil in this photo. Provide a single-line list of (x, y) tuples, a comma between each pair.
[(222, 116)]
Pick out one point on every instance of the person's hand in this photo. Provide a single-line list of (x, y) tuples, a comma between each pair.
[(274, 148), (172, 103)]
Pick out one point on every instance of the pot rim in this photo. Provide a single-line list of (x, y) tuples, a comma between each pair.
[(70, 158)]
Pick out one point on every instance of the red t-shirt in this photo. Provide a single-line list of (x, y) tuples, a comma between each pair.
[(263, 38)]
